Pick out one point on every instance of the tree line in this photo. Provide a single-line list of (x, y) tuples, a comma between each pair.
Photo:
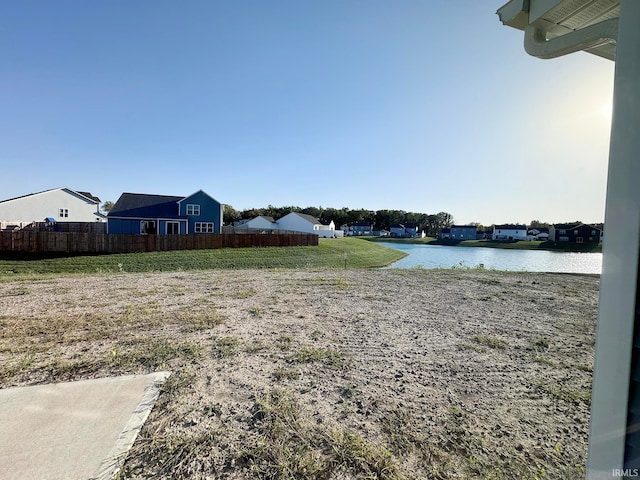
[(380, 219)]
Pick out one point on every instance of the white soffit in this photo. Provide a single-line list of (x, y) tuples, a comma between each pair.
[(559, 17)]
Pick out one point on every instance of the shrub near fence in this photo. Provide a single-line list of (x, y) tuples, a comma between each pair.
[(76, 242)]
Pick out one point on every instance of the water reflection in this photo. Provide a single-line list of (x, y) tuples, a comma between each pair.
[(441, 256)]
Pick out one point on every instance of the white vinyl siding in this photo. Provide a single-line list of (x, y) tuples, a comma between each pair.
[(261, 223), (38, 206)]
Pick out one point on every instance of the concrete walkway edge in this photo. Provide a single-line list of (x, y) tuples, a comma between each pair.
[(112, 464)]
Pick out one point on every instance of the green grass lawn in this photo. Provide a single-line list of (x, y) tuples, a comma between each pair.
[(328, 254)]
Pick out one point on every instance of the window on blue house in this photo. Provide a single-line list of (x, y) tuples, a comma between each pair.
[(193, 209), (148, 227), (204, 227)]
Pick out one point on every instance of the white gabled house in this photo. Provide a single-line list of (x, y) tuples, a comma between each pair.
[(509, 232), (300, 222), (538, 234), (61, 204), (260, 222)]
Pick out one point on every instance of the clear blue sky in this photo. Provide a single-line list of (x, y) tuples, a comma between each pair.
[(417, 105)]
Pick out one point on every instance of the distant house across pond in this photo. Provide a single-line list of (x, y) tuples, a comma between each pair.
[(463, 232), (538, 233), (580, 233), (361, 229), (402, 231), (509, 232)]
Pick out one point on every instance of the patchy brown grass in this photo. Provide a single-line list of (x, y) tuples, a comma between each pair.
[(325, 375)]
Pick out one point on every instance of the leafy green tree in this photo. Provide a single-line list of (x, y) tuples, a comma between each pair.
[(313, 211), (385, 219), (538, 224), (445, 219), (412, 219), (329, 214), (249, 213), (435, 223), (107, 206), (431, 224), (230, 215)]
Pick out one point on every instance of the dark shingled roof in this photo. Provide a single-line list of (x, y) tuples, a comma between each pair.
[(84, 194), (88, 195), (308, 218), (509, 226), (145, 206), (566, 226)]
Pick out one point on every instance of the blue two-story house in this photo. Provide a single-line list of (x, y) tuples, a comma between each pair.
[(138, 213), (361, 228), (463, 232), (402, 231)]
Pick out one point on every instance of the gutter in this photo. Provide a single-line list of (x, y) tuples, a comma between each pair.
[(537, 45)]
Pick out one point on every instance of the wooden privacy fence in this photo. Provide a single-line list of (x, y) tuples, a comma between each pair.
[(76, 242), (82, 227)]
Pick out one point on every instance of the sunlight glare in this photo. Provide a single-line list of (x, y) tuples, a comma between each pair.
[(607, 110)]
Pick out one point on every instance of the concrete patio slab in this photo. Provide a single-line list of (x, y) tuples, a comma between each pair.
[(75, 430)]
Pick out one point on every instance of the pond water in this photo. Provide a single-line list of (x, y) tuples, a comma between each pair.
[(444, 256)]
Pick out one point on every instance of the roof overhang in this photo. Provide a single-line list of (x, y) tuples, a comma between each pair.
[(552, 19)]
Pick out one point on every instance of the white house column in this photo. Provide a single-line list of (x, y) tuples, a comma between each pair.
[(612, 384)]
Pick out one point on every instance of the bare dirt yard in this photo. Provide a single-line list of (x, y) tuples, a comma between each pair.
[(389, 374)]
